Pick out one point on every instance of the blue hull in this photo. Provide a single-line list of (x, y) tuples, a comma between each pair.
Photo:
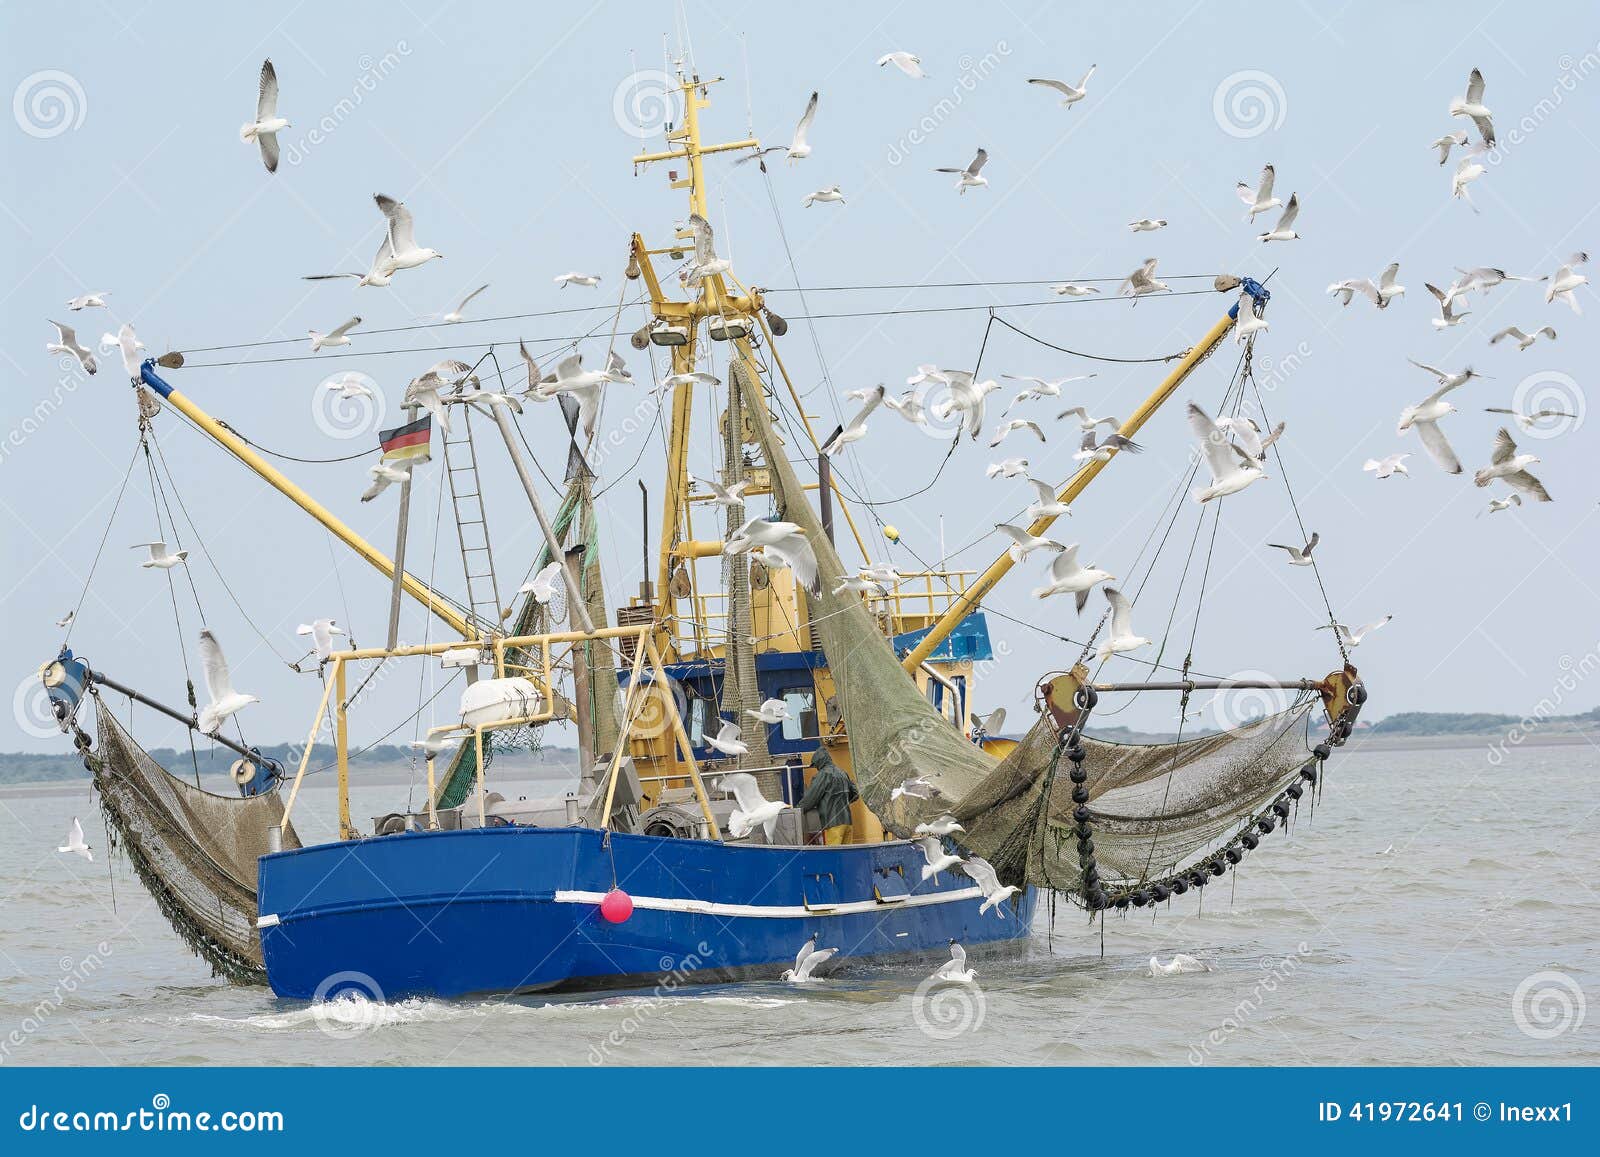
[(513, 909)]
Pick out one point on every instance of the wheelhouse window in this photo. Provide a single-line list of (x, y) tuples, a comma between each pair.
[(802, 705)]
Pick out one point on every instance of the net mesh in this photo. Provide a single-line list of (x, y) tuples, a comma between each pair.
[(1151, 807), (194, 851)]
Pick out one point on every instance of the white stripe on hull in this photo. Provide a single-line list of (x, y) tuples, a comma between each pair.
[(772, 911)]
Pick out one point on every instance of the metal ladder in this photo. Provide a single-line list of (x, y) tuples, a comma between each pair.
[(472, 527)]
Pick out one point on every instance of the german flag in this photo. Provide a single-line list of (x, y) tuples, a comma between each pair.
[(408, 443)]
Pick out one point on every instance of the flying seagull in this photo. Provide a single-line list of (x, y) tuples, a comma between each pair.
[(543, 585), (706, 262), (917, 787), (1069, 577), (1564, 280), (1142, 281), (1284, 229), (340, 335), (1147, 224), (955, 970), (1071, 289), (1511, 468), (459, 313), (753, 807), (1120, 637), (1071, 94), (1046, 505), (1496, 505), (383, 476), (732, 495), (727, 742), (95, 300), (1087, 421), (988, 881), (75, 841), (799, 148), (806, 961), (783, 543), (831, 193), (1259, 199), (322, 632), (1005, 429), (350, 385), (268, 124), (969, 178), (1386, 467), (1472, 106), (936, 859), (1523, 340), (67, 343), (1007, 468), (1091, 451), (1232, 467), (587, 280), (1424, 418), (126, 343), (857, 426), (905, 62), (1444, 144), (225, 701), (1351, 638), (66, 620), (1299, 555), (404, 252), (771, 710), (160, 558), (1023, 544), (1529, 420), (1380, 292), (1449, 315)]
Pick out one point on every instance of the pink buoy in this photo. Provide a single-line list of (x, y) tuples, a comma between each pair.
[(616, 906)]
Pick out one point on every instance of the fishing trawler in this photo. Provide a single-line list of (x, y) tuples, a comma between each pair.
[(645, 865)]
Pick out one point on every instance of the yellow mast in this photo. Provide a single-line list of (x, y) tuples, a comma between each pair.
[(973, 595)]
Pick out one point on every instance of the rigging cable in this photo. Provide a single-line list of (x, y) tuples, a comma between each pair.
[(1092, 357), (99, 550)]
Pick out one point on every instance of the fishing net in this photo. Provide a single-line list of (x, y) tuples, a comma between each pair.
[(1151, 807), (194, 851)]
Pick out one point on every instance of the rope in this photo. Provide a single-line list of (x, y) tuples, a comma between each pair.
[(99, 550), (239, 434), (1091, 357)]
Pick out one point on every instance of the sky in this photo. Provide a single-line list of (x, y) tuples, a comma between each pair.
[(507, 129)]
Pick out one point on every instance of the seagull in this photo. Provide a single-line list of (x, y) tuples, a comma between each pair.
[(1147, 224), (966, 395), (543, 585), (1259, 199), (1068, 577), (905, 62), (1069, 289), (1142, 281), (1091, 451), (1528, 421), (67, 343), (1564, 281), (881, 572), (1424, 417), (1005, 429), (1523, 340), (706, 263), (322, 632), (484, 401), (753, 808), (1299, 555), (1042, 387), (938, 860), (127, 343), (926, 374), (380, 274), (75, 841), (1247, 435), (969, 178), (1046, 505), (1247, 324), (66, 620), (799, 148), (1284, 229), (434, 746), (725, 495), (909, 407), (1352, 638), (224, 699), (404, 253), (917, 787), (831, 194), (351, 385), (1380, 293), (943, 826), (1008, 468), (95, 300), (1023, 544), (160, 558), (383, 475), (1448, 314), (1484, 277), (1469, 169), (1232, 467), (1449, 141), (864, 586), (424, 390), (1120, 637), (1070, 94), (1180, 963), (771, 711), (1511, 468), (783, 543), (1087, 422), (1393, 464), (268, 124), (727, 741), (587, 280), (806, 960), (584, 385), (955, 970), (459, 312), (1472, 106), (337, 336), (856, 428), (1498, 504), (694, 378), (1448, 380), (988, 881)]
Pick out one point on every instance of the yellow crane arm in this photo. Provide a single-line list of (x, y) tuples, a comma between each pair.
[(236, 446)]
